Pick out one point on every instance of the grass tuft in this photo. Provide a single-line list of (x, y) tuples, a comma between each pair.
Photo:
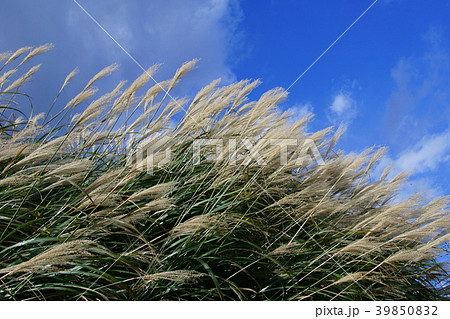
[(83, 217)]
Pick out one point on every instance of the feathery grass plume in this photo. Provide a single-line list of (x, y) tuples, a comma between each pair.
[(217, 215), (38, 156), (20, 81), (287, 249), (72, 167), (17, 53), (360, 246), (59, 255), (409, 256), (107, 181), (52, 149), (31, 130), (107, 199), (144, 116), (81, 97), (124, 101), (181, 72), (69, 78), (5, 76), (70, 180), (203, 93), (95, 109), (16, 180), (155, 205), (209, 222), (5, 55), (177, 276), (436, 242), (98, 137), (351, 277), (152, 192), (36, 51), (10, 151), (150, 95), (105, 72), (142, 213)]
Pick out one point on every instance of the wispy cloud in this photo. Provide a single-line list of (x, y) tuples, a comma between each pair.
[(421, 91), (427, 154), (342, 109), (169, 32), (426, 162), (342, 103), (417, 120)]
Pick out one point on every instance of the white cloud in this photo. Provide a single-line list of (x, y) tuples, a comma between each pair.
[(342, 103), (427, 154), (343, 108), (424, 162)]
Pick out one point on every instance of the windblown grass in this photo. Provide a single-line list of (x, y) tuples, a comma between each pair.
[(79, 221)]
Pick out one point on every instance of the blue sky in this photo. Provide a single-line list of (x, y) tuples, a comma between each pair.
[(387, 78)]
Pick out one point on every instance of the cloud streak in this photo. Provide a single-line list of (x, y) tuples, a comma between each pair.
[(426, 162), (427, 154)]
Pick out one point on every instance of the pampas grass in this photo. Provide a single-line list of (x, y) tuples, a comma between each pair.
[(83, 217)]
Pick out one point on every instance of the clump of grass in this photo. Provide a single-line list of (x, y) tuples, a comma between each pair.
[(80, 221)]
